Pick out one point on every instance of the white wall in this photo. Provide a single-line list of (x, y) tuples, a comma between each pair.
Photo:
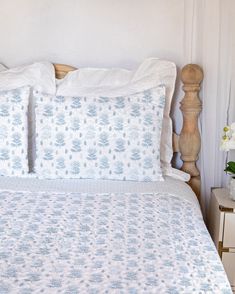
[(98, 33), (91, 32)]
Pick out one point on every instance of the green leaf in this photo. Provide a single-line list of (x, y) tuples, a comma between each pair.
[(230, 167), (231, 164)]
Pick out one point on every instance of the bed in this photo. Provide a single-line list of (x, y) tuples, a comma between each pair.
[(103, 236)]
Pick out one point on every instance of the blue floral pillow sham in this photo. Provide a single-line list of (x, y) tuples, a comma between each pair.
[(14, 132), (100, 137)]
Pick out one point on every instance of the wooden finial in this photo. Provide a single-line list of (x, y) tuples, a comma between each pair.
[(189, 139), (192, 74), (61, 70)]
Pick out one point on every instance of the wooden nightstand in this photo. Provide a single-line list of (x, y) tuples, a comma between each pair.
[(221, 225)]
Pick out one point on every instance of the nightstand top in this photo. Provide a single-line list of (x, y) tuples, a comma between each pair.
[(226, 204)]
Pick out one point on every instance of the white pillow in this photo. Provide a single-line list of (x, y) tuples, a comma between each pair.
[(40, 75), (156, 71), (14, 132), (100, 137)]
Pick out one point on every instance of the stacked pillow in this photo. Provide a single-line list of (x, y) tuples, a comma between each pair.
[(151, 72), (13, 131), (110, 136), (95, 123), (17, 120)]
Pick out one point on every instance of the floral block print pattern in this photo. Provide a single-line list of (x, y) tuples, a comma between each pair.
[(14, 132), (100, 137), (105, 243)]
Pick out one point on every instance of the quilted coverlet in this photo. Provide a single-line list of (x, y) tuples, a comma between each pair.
[(105, 243)]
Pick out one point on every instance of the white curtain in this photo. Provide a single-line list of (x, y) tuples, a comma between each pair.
[(210, 37)]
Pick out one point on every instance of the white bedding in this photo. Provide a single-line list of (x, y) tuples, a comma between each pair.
[(78, 236), (170, 185)]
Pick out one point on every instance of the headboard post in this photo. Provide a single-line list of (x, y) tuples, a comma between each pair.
[(189, 138)]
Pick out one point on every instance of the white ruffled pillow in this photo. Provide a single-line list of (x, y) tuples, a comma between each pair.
[(156, 71)]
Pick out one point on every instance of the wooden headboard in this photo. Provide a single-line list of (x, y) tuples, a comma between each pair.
[(188, 142)]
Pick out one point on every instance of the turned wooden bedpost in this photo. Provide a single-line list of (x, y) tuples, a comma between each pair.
[(189, 138)]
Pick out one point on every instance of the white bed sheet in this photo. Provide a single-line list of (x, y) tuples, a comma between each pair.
[(170, 185)]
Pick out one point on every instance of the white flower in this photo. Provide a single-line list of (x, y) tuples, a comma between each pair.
[(227, 145), (228, 139), (232, 137), (224, 146), (233, 127), (231, 144)]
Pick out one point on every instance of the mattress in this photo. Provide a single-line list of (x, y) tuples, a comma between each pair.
[(80, 236)]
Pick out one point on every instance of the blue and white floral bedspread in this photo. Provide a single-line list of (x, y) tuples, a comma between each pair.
[(105, 243)]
